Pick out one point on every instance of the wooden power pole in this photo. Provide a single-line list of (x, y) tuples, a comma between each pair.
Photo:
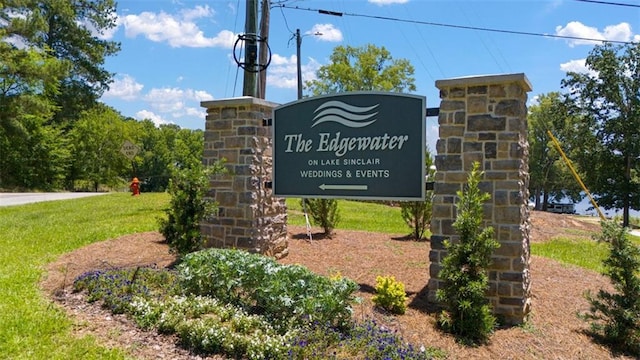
[(251, 50), (264, 50)]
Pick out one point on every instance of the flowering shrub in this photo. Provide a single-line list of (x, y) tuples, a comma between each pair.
[(287, 295), (365, 340), (116, 288), (390, 295), (270, 311), (208, 326)]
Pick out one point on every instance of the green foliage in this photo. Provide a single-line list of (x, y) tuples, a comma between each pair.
[(550, 178), (616, 316), (606, 138), (35, 234), (390, 295), (97, 138), (205, 325), (286, 295), (417, 214), (189, 206), (324, 213), (464, 269), (356, 215), (363, 68), (363, 340)]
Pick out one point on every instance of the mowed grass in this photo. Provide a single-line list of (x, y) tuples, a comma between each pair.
[(583, 252), (33, 235), (358, 215)]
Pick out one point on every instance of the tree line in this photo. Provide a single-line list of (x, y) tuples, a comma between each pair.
[(54, 132)]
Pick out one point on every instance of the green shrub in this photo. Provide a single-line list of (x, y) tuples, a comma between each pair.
[(464, 269), (417, 214), (324, 213), (390, 295), (287, 295), (616, 316), (188, 207), (205, 325)]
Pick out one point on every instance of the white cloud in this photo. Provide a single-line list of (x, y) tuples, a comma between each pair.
[(148, 115), (124, 87), (577, 66), (284, 74), (197, 12), (175, 101), (177, 31), (619, 32), (388, 2), (325, 32)]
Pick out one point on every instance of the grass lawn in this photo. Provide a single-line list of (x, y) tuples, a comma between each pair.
[(357, 215), (35, 234)]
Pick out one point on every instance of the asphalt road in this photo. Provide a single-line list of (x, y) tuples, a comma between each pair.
[(10, 199)]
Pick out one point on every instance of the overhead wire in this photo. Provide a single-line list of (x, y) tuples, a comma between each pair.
[(609, 3), (235, 82), (503, 31)]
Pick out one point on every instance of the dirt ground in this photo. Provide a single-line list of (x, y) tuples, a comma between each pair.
[(553, 332)]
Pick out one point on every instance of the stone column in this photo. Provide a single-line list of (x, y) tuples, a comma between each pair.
[(249, 216), (484, 119)]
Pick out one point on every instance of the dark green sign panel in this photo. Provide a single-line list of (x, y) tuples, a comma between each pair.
[(362, 145)]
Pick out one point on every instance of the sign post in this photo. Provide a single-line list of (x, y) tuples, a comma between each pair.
[(359, 145)]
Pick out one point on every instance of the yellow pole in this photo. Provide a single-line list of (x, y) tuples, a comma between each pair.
[(575, 174)]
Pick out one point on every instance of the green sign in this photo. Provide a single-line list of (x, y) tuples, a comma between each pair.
[(360, 145)]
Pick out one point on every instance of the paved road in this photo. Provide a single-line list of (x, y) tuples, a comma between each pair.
[(9, 199)]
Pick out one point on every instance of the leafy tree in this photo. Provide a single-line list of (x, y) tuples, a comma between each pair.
[(69, 31), (616, 316), (464, 269), (97, 139), (188, 207), (550, 176), (417, 214), (608, 136), (363, 68), (29, 153)]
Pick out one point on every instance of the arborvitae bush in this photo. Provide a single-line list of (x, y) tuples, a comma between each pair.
[(390, 295), (464, 269), (188, 206), (324, 213), (615, 316)]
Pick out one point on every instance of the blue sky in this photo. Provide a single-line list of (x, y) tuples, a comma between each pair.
[(177, 53)]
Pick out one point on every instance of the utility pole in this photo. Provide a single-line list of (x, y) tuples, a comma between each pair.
[(250, 50), (299, 65), (264, 50)]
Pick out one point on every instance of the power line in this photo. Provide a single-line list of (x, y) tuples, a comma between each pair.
[(514, 32), (609, 3)]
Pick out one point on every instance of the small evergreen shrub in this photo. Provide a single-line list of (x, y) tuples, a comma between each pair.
[(464, 269), (287, 295), (615, 317), (188, 207), (417, 214), (390, 295), (324, 213)]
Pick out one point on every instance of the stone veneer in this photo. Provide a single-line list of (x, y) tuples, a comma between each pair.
[(484, 119), (250, 218)]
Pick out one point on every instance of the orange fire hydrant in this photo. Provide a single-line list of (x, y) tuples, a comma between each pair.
[(135, 187)]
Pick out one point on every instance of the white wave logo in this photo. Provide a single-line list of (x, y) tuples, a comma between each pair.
[(345, 114)]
